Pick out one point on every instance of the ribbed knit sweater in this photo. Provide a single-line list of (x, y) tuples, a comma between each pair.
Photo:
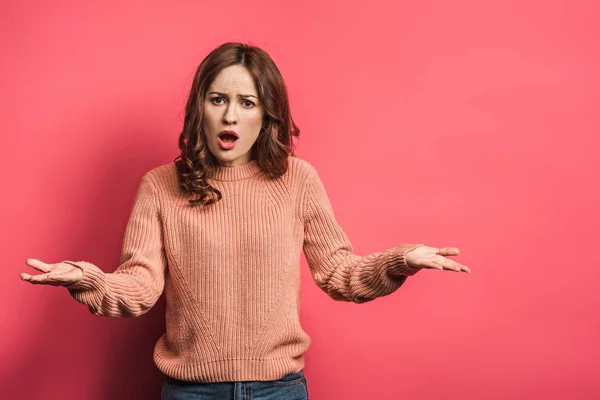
[(231, 271)]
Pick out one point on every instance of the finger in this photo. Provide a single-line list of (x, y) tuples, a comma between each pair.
[(39, 279), (458, 266), (464, 268), (444, 263), (37, 264), (448, 251), (436, 265), (448, 264)]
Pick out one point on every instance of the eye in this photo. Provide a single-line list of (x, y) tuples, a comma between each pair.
[(251, 103), (215, 98)]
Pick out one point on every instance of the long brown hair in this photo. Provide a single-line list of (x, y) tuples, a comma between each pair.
[(273, 145)]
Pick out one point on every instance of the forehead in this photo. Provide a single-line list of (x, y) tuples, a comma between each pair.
[(234, 78)]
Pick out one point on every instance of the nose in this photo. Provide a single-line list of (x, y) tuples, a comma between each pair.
[(230, 117)]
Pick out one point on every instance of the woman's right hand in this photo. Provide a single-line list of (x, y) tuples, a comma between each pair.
[(60, 274)]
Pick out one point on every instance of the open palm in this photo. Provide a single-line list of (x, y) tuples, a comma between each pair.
[(59, 274), (433, 257)]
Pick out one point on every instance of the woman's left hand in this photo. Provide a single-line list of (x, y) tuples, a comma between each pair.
[(433, 257)]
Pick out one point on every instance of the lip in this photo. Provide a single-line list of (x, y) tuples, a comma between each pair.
[(229, 132), (227, 146)]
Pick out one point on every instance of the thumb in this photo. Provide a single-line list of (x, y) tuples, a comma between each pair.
[(448, 251), (39, 265)]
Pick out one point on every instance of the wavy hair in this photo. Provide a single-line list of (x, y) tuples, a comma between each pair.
[(272, 147)]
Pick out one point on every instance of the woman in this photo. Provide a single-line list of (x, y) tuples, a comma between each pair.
[(221, 232)]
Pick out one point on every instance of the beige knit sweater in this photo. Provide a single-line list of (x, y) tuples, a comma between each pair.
[(230, 271)]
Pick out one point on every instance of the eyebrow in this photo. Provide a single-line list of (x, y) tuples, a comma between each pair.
[(239, 95)]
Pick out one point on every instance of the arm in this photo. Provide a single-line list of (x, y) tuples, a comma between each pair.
[(335, 268), (138, 282)]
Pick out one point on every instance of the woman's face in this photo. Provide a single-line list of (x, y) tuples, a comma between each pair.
[(232, 103)]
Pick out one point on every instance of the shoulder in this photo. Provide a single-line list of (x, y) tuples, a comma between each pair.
[(163, 170), (299, 174), (161, 174), (167, 173), (162, 179), (300, 167)]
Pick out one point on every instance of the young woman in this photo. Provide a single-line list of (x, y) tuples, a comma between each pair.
[(221, 232)]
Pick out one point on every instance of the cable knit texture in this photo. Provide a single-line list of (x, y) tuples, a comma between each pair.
[(230, 271)]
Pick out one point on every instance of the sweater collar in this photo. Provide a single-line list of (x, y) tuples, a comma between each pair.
[(236, 173)]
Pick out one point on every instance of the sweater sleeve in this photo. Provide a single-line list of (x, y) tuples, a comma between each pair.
[(135, 286), (343, 275)]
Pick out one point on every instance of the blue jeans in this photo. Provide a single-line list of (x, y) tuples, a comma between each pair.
[(290, 387)]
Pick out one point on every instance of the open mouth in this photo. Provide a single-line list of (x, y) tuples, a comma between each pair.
[(228, 138), (227, 141)]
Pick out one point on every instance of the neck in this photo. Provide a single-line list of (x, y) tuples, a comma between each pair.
[(236, 172)]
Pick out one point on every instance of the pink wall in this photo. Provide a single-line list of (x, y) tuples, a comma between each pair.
[(467, 123)]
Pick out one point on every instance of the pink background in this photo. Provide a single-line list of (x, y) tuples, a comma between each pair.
[(467, 123)]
